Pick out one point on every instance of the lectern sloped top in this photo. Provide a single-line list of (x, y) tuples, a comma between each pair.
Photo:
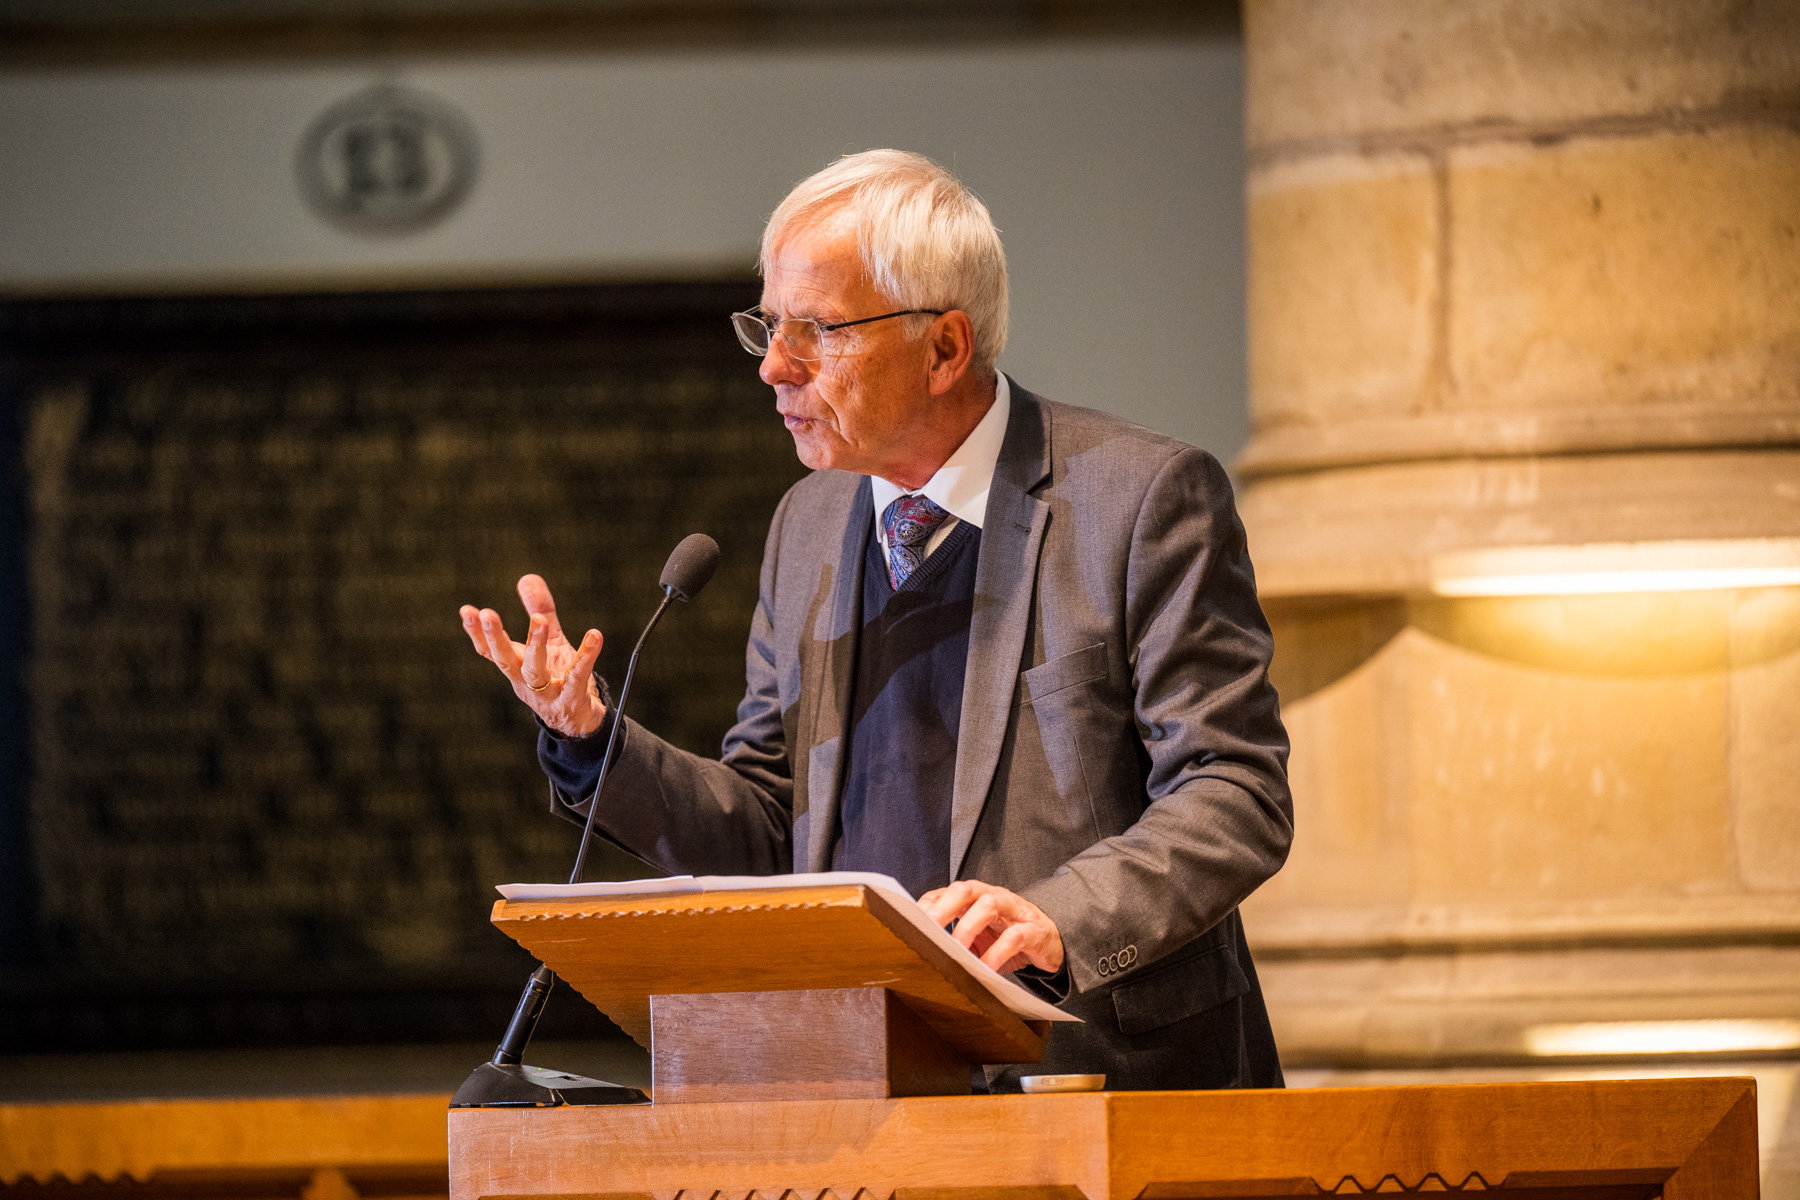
[(618, 951)]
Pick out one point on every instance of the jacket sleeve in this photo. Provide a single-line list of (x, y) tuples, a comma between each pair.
[(1217, 817), (685, 813)]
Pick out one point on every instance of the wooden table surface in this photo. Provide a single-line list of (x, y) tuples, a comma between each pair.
[(323, 1148), (1611, 1140), (1683, 1139)]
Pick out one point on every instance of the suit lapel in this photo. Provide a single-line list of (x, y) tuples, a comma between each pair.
[(835, 631), (1012, 534)]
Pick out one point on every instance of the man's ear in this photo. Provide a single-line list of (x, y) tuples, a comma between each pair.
[(950, 351)]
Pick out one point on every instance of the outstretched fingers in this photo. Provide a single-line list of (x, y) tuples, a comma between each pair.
[(575, 683), (534, 594), (503, 652), (471, 623), (555, 679), (536, 667)]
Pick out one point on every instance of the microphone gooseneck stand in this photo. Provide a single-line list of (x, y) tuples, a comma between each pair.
[(504, 1081)]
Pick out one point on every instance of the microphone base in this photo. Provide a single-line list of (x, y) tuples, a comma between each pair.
[(520, 1086)]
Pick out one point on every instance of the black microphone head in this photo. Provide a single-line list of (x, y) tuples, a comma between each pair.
[(690, 565)]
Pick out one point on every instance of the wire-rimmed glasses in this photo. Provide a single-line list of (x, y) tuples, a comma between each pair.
[(804, 336)]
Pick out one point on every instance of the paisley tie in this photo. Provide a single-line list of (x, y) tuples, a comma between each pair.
[(909, 523)]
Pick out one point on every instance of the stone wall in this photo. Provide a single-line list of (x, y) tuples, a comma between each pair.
[(1525, 273)]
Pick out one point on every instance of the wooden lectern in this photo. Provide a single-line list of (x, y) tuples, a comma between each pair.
[(780, 994), (806, 1045)]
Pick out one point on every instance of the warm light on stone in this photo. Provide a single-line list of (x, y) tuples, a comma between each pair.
[(1673, 566), (1598, 1038)]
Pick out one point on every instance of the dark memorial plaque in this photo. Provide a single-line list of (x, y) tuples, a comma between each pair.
[(271, 786)]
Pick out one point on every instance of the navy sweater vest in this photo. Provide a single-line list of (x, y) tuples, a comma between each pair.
[(910, 655)]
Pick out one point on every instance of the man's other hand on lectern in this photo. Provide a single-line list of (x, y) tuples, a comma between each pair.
[(1001, 928)]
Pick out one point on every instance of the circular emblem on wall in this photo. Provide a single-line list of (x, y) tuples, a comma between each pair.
[(387, 160)]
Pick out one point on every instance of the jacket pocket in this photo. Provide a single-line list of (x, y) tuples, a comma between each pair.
[(1054, 700), (1168, 993), (1065, 671)]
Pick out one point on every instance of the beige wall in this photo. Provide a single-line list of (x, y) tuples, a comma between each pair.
[(1525, 274)]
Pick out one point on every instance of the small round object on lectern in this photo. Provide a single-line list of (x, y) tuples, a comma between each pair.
[(1037, 1085)]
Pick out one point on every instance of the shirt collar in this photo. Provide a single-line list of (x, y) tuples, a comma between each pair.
[(961, 485)]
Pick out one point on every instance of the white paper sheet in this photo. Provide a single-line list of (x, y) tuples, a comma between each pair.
[(1016, 998)]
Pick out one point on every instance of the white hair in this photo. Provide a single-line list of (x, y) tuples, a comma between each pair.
[(926, 241)]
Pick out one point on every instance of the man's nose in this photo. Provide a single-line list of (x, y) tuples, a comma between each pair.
[(780, 366)]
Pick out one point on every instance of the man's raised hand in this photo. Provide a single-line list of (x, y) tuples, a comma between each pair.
[(553, 677)]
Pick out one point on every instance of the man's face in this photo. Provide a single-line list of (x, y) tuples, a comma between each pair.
[(857, 407)]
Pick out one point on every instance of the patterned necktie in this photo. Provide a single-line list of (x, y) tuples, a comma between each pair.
[(909, 523)]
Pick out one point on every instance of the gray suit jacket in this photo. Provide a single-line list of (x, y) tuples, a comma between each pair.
[(1121, 759)]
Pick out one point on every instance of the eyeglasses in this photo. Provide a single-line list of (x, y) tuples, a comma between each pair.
[(805, 336)]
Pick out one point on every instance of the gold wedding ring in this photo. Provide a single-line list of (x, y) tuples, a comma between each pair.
[(540, 687)]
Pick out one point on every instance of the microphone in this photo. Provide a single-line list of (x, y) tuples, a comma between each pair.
[(504, 1081), (690, 567)]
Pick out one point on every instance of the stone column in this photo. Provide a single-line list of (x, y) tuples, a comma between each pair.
[(1525, 297)]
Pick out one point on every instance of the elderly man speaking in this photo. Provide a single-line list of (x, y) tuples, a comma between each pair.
[(1006, 650)]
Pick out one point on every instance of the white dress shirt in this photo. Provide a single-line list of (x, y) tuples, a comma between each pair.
[(961, 485)]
